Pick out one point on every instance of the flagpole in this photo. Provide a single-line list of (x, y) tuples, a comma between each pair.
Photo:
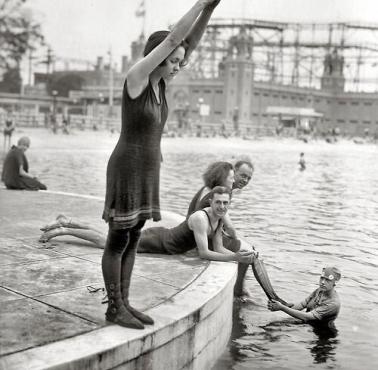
[(111, 81), (141, 12), (144, 17)]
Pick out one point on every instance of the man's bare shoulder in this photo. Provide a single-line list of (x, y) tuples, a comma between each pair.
[(197, 220)]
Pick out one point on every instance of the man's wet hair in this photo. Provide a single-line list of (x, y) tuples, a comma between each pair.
[(240, 163), (220, 190)]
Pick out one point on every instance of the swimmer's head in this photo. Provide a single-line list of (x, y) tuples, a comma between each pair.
[(331, 273)]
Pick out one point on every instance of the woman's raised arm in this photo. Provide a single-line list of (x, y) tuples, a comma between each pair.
[(138, 74), (196, 32)]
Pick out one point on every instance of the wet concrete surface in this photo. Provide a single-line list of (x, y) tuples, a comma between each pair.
[(45, 289)]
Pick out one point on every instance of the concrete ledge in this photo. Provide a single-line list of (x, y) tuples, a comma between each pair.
[(190, 329), (192, 326)]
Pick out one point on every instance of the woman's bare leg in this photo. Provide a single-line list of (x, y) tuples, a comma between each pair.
[(91, 235)]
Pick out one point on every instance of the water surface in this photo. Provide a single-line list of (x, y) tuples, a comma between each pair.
[(299, 222)]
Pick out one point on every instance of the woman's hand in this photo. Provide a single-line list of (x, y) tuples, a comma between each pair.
[(274, 305)]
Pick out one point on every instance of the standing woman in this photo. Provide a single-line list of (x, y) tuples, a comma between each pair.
[(132, 187)]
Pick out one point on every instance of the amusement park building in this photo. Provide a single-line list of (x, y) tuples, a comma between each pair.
[(262, 106), (232, 97)]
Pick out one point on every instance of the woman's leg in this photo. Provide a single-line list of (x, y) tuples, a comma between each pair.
[(128, 260), (116, 246), (91, 235)]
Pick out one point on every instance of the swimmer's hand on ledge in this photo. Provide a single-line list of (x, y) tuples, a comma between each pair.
[(245, 257), (277, 306), (255, 252)]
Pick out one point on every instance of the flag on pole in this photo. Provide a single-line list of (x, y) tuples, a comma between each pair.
[(141, 10)]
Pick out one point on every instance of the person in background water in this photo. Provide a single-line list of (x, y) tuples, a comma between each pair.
[(302, 162), (132, 186), (322, 305), (15, 173), (9, 127)]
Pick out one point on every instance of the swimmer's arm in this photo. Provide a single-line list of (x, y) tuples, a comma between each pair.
[(196, 32), (296, 313)]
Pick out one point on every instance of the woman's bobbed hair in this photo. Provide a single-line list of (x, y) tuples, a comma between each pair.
[(154, 40), (216, 174)]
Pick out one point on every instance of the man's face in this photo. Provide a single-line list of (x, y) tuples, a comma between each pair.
[(219, 204), (24, 146), (243, 176), (326, 284)]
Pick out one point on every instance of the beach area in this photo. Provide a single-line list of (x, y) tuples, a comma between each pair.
[(299, 221)]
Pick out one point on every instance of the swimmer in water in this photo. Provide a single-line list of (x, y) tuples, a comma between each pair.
[(322, 305), (302, 162)]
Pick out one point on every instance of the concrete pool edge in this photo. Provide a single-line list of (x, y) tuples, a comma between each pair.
[(196, 318), (192, 328)]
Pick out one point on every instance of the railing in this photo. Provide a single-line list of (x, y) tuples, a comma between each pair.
[(77, 121)]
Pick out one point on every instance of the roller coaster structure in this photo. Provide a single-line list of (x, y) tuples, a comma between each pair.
[(294, 53)]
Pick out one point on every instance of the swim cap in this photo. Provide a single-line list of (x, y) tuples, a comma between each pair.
[(154, 40), (331, 273)]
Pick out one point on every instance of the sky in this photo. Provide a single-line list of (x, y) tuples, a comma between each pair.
[(85, 29)]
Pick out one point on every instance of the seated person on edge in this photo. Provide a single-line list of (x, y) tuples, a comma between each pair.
[(15, 169), (322, 305)]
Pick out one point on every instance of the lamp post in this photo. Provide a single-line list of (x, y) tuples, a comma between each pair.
[(54, 94), (54, 124), (100, 113)]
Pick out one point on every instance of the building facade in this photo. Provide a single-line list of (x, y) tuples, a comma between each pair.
[(233, 99)]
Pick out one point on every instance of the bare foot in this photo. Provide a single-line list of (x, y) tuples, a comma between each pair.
[(243, 296), (244, 299), (59, 221), (47, 235), (43, 238)]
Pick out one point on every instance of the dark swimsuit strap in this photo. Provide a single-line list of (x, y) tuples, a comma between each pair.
[(211, 226)]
